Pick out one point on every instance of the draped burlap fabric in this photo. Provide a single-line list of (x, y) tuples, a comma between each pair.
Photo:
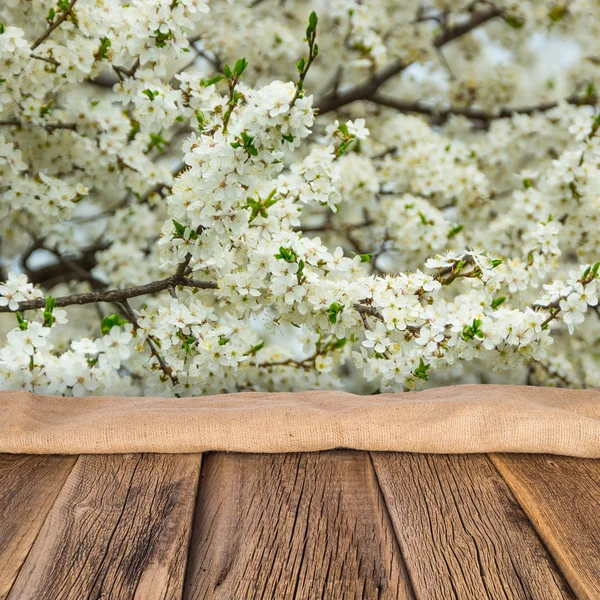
[(457, 419)]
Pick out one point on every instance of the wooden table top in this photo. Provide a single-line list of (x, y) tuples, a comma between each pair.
[(329, 525)]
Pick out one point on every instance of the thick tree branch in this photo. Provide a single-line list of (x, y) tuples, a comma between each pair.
[(117, 295), (47, 126), (441, 115), (366, 90)]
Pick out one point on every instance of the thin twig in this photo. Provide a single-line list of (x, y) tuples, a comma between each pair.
[(63, 17), (151, 344), (312, 54), (47, 59)]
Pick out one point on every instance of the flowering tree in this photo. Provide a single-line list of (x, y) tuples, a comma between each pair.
[(245, 196)]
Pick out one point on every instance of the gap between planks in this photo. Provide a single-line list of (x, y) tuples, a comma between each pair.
[(457, 511), (561, 497), (293, 527), (378, 515)]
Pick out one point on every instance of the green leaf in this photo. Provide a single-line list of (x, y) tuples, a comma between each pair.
[(595, 269), (574, 191), (248, 144), (421, 370), (23, 324), (365, 257), (179, 228), (48, 310), (591, 91), (50, 303), (334, 309), (227, 71), (312, 25), (288, 138), (301, 265), (338, 343), (514, 22), (188, 342), (2, 28), (212, 81), (455, 230), (161, 39), (46, 109), (287, 254), (557, 13), (270, 200), (472, 331), (135, 129), (102, 52), (496, 302), (255, 349), (240, 67), (424, 219), (148, 92), (111, 321), (201, 119), (157, 141)]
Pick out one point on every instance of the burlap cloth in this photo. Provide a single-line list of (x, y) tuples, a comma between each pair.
[(457, 419)]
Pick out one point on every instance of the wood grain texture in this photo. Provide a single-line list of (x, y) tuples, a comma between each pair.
[(119, 529), (462, 534), (561, 497), (29, 486), (302, 526)]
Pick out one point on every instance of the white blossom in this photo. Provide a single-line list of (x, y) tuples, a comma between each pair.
[(183, 211)]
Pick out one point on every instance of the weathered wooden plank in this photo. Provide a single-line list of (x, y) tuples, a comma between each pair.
[(119, 529), (461, 532), (302, 526), (561, 497), (28, 487)]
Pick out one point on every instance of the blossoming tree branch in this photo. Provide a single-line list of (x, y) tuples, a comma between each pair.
[(267, 195)]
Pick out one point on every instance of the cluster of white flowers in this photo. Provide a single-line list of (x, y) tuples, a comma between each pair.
[(185, 212), (17, 289)]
